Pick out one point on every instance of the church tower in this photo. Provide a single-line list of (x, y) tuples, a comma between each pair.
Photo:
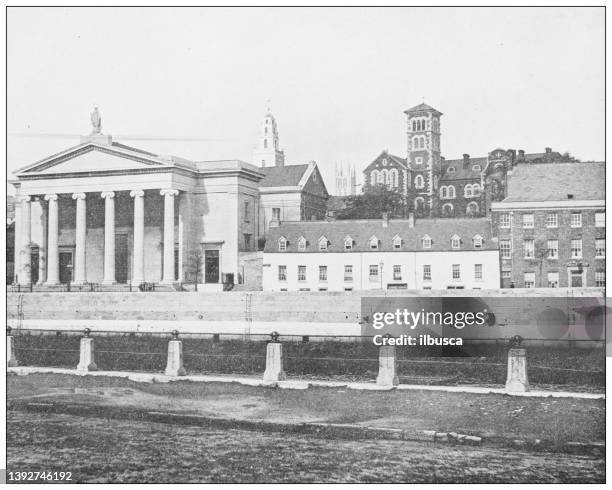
[(424, 160), (267, 153)]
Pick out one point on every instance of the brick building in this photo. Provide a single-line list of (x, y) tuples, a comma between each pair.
[(551, 226), (437, 187)]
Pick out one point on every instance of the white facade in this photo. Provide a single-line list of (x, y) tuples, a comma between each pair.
[(410, 275)]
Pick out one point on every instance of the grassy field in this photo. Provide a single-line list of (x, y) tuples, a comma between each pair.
[(555, 420), (99, 450), (573, 369)]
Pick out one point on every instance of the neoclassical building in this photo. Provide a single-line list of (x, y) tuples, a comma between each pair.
[(104, 212)]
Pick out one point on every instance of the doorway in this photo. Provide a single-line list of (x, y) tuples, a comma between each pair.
[(34, 263), (65, 267), (211, 266), (121, 258), (576, 279)]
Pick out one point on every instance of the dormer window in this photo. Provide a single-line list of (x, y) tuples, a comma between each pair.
[(348, 243), (282, 244), (456, 242), (302, 244), (397, 242), (426, 241), (476, 168), (373, 243), (477, 241), (322, 244), (451, 170)]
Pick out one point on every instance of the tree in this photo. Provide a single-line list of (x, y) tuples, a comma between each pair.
[(193, 265), (374, 201)]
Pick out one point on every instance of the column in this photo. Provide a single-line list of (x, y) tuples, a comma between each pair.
[(109, 237), (168, 273), (25, 249), (80, 275), (52, 241), (42, 250), (138, 271), (17, 248)]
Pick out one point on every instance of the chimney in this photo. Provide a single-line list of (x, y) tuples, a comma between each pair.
[(466, 160), (521, 155), (410, 220), (385, 220), (512, 155)]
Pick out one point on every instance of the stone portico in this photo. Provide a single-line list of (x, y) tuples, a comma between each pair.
[(103, 212)]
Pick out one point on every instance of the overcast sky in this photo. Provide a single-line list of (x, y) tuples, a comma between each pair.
[(338, 79)]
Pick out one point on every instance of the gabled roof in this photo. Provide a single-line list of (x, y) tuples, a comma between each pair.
[(422, 108), (554, 181), (361, 231), (286, 176)]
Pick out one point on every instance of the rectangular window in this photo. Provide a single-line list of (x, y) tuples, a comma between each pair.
[(427, 272), (246, 211), (600, 248), (576, 220), (478, 272), (553, 279), (504, 249), (528, 246), (322, 273), (552, 220), (373, 272), (528, 221), (600, 220), (529, 279), (552, 249), (301, 272), (504, 220), (456, 272), (282, 272), (576, 249), (397, 272), (600, 279), (455, 242), (506, 274), (282, 245), (348, 273), (276, 214)]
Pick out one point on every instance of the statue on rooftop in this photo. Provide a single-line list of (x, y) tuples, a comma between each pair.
[(96, 122)]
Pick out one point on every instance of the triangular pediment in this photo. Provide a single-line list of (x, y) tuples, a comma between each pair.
[(93, 158)]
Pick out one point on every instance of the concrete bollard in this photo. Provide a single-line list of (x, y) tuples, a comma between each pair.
[(387, 371), (517, 380), (11, 360), (175, 357), (274, 360), (86, 357)]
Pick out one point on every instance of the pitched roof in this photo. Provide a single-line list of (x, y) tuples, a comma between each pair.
[(554, 181), (439, 230), (288, 175), (460, 172), (422, 108)]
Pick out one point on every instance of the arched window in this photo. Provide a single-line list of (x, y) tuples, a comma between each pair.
[(419, 204), (393, 177), (419, 182), (443, 192), (475, 190), (413, 125), (374, 177), (472, 208), (448, 210), (451, 192), (381, 177), (388, 179), (467, 191)]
